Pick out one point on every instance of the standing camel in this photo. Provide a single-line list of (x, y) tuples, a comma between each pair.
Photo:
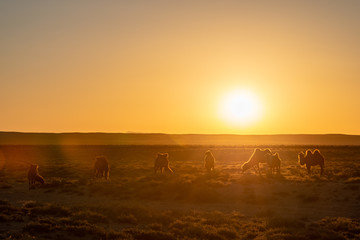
[(312, 158)]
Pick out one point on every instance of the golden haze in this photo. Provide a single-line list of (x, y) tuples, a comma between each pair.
[(164, 67)]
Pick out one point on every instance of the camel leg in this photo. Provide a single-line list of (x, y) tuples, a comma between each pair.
[(308, 168), (258, 165), (32, 183)]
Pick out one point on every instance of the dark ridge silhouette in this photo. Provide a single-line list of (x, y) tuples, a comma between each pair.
[(19, 138)]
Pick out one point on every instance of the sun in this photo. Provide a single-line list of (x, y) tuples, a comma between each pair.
[(240, 107)]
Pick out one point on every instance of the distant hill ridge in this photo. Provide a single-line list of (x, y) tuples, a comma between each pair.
[(20, 138)]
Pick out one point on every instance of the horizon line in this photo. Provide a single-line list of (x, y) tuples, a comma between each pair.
[(148, 133)]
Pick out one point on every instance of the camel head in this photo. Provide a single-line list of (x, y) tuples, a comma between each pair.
[(162, 155), (34, 167), (245, 167), (276, 156), (301, 158)]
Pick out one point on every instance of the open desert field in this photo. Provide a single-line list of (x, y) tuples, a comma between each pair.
[(96, 96), (135, 203)]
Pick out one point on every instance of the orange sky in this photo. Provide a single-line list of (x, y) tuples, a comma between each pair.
[(165, 66)]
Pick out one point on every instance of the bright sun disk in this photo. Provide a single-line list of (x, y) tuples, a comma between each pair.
[(240, 107)]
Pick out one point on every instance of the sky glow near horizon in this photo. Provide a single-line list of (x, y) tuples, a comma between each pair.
[(167, 66)]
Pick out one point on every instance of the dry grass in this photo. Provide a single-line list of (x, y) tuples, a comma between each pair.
[(178, 225), (189, 204)]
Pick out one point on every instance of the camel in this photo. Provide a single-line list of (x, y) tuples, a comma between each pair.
[(312, 158), (101, 167), (209, 161), (274, 162), (34, 176), (258, 156), (162, 163)]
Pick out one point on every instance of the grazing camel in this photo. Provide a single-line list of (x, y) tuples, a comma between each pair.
[(258, 156), (209, 161), (274, 162), (312, 158), (162, 163), (34, 176), (101, 167)]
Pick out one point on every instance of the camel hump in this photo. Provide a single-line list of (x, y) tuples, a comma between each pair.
[(318, 155), (316, 152), (308, 152)]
